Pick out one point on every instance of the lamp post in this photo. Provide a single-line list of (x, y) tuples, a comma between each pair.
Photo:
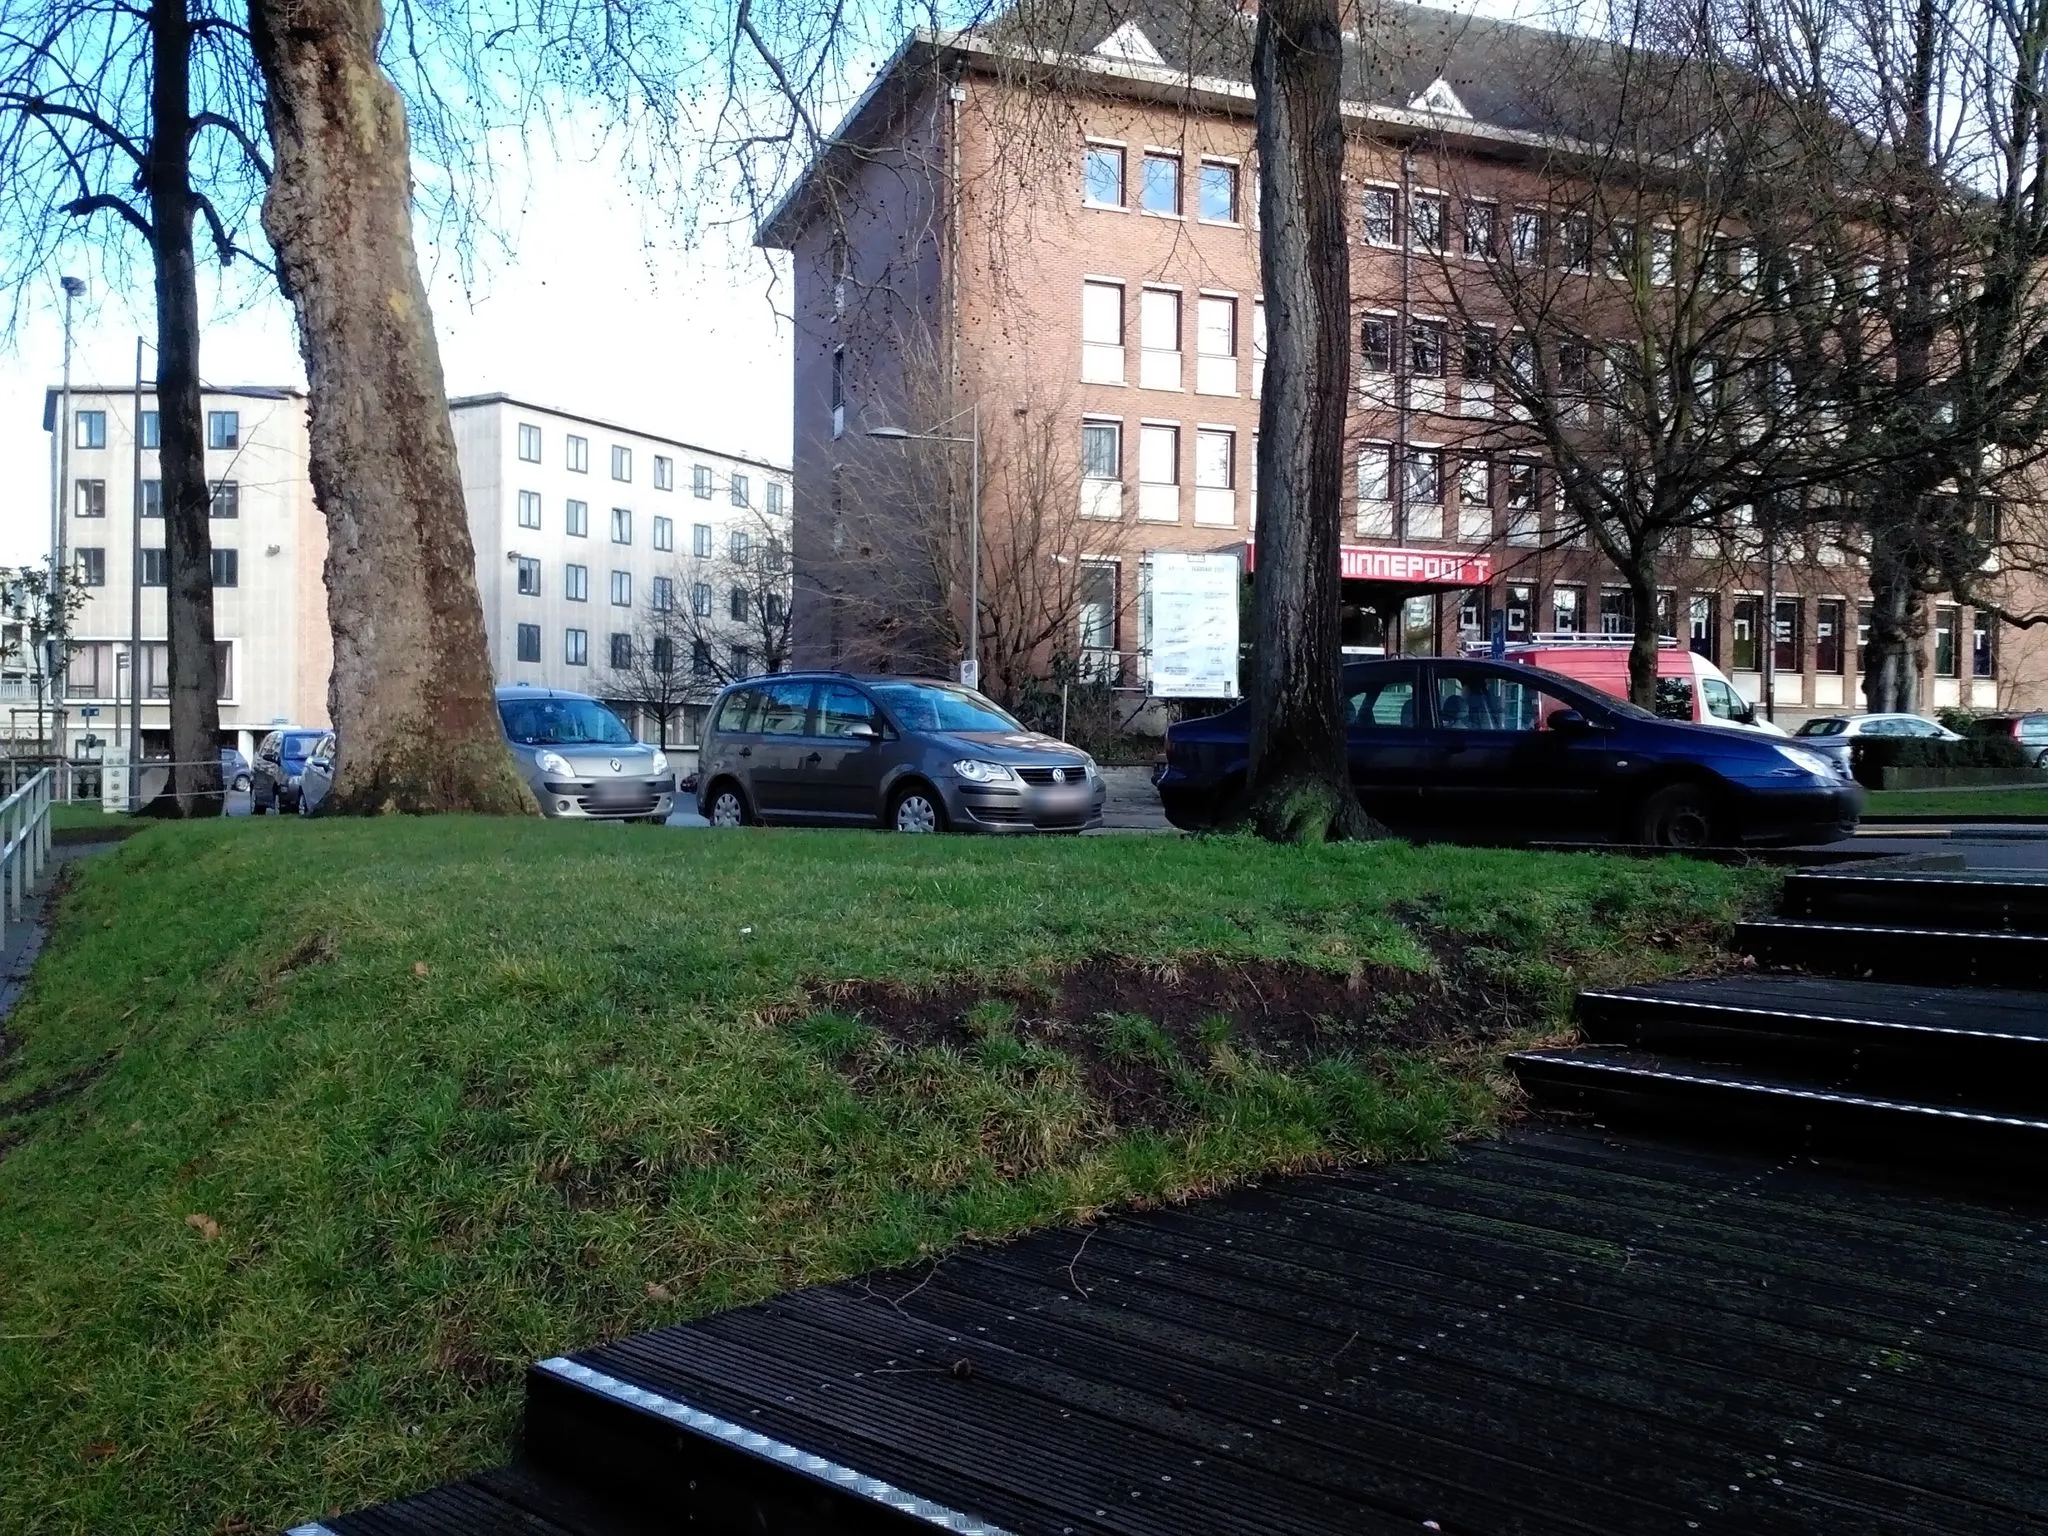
[(74, 288), (970, 669), (135, 598)]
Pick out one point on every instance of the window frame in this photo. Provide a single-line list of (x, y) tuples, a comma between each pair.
[(1162, 157), (576, 518), (1091, 148), (622, 460), (664, 472), (664, 534), (1370, 196), (528, 435), (223, 430), (575, 647), (1230, 170), (576, 454), (622, 519), (529, 503), (89, 429), (522, 652), (575, 582)]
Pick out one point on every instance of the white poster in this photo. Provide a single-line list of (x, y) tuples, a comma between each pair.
[(1194, 625)]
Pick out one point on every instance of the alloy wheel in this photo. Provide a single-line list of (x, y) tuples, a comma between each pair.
[(916, 813)]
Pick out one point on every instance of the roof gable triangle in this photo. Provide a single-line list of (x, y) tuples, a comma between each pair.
[(1440, 100), (1129, 44)]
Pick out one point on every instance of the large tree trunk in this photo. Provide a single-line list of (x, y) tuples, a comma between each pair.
[(1298, 787), (411, 694), (1641, 575), (1891, 667), (187, 503)]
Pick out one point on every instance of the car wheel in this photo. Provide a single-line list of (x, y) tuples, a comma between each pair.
[(1676, 816), (728, 807), (305, 807), (918, 810), (241, 783)]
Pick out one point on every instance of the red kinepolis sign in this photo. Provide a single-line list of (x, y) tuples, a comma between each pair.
[(1425, 567)]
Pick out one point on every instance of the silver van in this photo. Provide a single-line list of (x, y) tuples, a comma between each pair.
[(580, 760)]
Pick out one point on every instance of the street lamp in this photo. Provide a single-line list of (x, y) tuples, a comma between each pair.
[(60, 506), (971, 669)]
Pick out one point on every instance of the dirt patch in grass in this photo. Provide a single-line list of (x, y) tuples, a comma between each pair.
[(1137, 1029)]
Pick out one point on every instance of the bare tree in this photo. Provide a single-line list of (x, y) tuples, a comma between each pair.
[(120, 127), (731, 608), (654, 673)]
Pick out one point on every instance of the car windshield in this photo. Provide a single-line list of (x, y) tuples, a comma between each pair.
[(1828, 727), (934, 707), (299, 745), (562, 723)]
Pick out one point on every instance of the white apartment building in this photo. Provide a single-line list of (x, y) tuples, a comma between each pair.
[(581, 525), (269, 540)]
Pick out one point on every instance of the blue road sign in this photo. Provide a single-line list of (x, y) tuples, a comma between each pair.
[(1499, 648)]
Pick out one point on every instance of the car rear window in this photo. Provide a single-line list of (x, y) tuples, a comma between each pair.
[(736, 711), (1832, 726)]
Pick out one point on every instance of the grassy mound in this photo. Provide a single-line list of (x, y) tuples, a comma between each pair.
[(313, 1134)]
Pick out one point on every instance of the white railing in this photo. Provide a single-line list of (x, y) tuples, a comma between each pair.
[(24, 843)]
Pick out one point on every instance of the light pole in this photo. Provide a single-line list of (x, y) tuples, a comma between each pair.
[(74, 287), (135, 599), (970, 669)]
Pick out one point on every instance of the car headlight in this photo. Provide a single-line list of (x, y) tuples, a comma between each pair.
[(1810, 762), (977, 772), (553, 763), (1088, 767), (660, 762)]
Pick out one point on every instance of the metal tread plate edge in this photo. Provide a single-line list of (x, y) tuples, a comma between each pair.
[(1710, 1005), (833, 1474), (1829, 925)]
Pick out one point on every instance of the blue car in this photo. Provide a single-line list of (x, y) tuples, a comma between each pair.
[(1501, 753), (280, 760)]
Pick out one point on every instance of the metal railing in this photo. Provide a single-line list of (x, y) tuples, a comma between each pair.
[(24, 843)]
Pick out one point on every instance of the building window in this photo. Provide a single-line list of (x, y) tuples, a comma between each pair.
[(739, 492), (700, 541), (1663, 255), (1948, 621), (1786, 639), (529, 509), (91, 500), (739, 544), (1159, 320), (700, 599), (664, 473), (1102, 333), (227, 499), (1526, 235), (622, 462), (771, 608), (1102, 176), (1158, 455), (1215, 459), (576, 647), (742, 661), (736, 604), (1426, 224), (838, 391), (1475, 499), (1575, 242), (1667, 614), (1622, 254), (1377, 338), (1481, 353), (92, 566), (664, 534), (622, 525), (1617, 611), (661, 594), (622, 652), (1216, 345), (622, 589), (1161, 190), (662, 654), (152, 430), (155, 573), (1743, 655), (576, 583), (529, 575), (223, 429), (1425, 477), (1381, 223), (1480, 219), (1567, 609), (1982, 662), (700, 481), (92, 429), (152, 498), (529, 642), (579, 462), (1102, 450), (1376, 472), (1704, 623), (576, 515), (1219, 192), (1426, 348), (227, 568), (1827, 635), (700, 659), (776, 492), (1518, 602), (529, 443)]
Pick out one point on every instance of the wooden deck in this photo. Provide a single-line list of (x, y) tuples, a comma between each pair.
[(1565, 1331)]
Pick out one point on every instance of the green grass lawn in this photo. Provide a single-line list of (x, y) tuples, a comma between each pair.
[(1958, 802), (315, 1133)]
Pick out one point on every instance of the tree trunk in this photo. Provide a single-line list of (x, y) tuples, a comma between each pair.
[(1891, 668), (1641, 575), (187, 503), (1298, 787), (415, 719)]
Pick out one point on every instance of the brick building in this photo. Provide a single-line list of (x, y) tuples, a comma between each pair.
[(1091, 252)]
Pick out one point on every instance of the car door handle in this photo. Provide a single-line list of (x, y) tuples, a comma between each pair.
[(815, 757), (746, 751)]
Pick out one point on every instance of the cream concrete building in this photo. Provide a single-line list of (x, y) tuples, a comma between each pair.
[(270, 606)]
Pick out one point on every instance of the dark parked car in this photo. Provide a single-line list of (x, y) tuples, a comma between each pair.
[(2030, 731), (317, 782), (1506, 753), (900, 752), (234, 769), (280, 759)]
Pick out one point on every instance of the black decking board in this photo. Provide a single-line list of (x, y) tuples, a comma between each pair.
[(1966, 1010), (1561, 1333)]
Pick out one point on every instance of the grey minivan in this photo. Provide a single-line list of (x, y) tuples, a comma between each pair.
[(580, 760), (826, 748)]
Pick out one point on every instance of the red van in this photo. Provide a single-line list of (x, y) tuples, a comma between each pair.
[(1689, 687)]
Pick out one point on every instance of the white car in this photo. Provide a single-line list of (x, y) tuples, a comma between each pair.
[(1836, 735)]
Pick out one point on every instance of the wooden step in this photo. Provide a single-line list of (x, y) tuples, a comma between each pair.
[(1926, 955), (1760, 1108), (1989, 900)]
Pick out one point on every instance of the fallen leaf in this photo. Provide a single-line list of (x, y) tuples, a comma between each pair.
[(204, 1225), (420, 968), (656, 1291), (101, 1450)]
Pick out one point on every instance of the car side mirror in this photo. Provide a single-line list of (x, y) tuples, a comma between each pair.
[(861, 730), (1570, 722), (1748, 715)]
